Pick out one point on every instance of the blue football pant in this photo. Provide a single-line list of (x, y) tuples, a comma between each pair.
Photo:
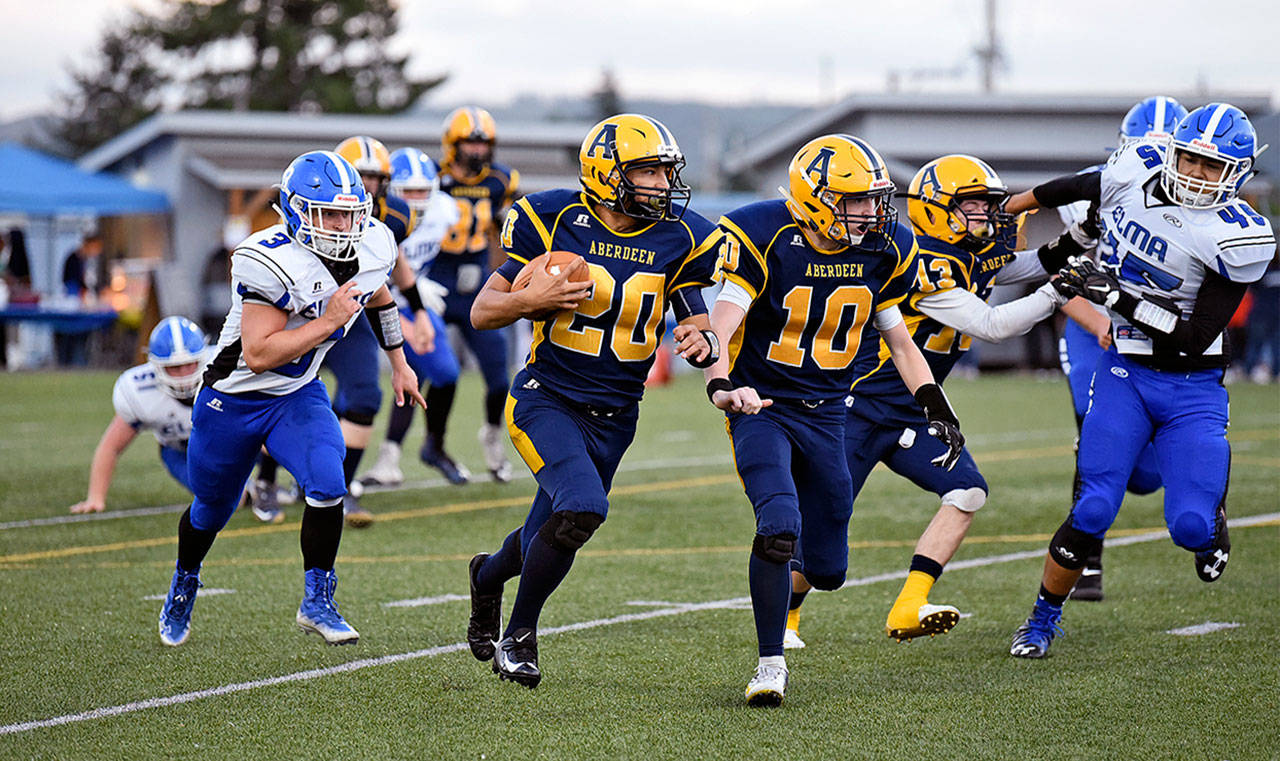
[(299, 430), (1184, 416), (353, 360), (1079, 353), (175, 461)]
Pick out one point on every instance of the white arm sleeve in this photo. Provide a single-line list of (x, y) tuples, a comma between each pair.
[(972, 316), (735, 294), (888, 318), (1025, 267)]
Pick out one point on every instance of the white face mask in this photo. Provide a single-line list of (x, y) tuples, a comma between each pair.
[(336, 245)]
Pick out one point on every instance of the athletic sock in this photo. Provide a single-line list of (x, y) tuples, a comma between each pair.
[(770, 585), (350, 462), (193, 543), (439, 403), (793, 615), (321, 533), (267, 467), (501, 565), (543, 570), (398, 426), (494, 402), (1049, 597)]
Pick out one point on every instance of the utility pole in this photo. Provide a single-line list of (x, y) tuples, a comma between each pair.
[(989, 54)]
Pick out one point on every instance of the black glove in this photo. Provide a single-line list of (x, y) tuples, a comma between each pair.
[(1081, 277), (713, 355), (943, 423)]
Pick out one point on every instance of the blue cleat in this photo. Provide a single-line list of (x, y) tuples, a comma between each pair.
[(175, 616), (319, 613), (433, 454), (1032, 639)]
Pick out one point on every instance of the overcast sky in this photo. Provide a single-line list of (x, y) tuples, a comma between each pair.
[(796, 51)]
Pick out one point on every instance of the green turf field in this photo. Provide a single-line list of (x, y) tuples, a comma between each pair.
[(664, 644)]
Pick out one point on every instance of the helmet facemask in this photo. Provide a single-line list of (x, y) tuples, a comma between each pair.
[(652, 203), (182, 386), (1195, 193), (314, 233), (852, 228)]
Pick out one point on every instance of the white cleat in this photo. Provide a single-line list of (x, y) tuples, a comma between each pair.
[(386, 469), (791, 640), (769, 684), (495, 452)]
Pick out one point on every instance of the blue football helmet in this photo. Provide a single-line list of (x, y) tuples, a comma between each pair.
[(324, 205), (412, 170), (177, 341), (1154, 117), (1220, 133)]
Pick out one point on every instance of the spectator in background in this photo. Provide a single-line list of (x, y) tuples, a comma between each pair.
[(82, 277), (1262, 335), (15, 264)]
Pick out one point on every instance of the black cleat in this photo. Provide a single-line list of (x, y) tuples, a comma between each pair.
[(1088, 586), (516, 659), (1212, 562), (485, 625)]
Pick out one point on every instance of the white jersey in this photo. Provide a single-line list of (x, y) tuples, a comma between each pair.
[(422, 245), (144, 404), (1160, 249), (268, 266)]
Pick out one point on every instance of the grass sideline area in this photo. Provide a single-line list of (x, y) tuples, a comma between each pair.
[(656, 643)]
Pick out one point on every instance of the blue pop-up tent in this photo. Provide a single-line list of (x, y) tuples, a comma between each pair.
[(44, 189)]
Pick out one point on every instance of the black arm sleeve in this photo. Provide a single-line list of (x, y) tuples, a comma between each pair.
[(687, 302), (1065, 190), (1216, 302)]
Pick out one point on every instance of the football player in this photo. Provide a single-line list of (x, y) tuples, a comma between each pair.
[(1151, 119), (966, 247), (482, 190), (152, 397), (414, 180), (354, 360), (1178, 249), (572, 410), (299, 288), (808, 280)]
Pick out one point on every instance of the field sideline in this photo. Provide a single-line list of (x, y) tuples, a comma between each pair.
[(648, 645)]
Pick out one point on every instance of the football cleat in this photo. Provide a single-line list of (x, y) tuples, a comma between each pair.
[(319, 613), (495, 453), (175, 616), (485, 625), (516, 658), (930, 619), (769, 684), (1032, 638), (433, 454), (265, 503), (1211, 563), (355, 515), (791, 640), (386, 469), (1088, 586)]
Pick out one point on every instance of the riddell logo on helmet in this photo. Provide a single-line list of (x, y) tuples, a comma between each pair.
[(877, 184), (346, 199), (1198, 143)]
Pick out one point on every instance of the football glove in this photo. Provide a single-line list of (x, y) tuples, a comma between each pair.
[(713, 355), (943, 424), (1081, 277), (432, 294)]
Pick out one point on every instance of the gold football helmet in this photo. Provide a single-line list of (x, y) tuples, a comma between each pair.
[(938, 189), (468, 123), (830, 170), (622, 143), (370, 158)]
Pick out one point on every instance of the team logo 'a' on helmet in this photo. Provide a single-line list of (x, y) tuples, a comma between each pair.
[(624, 142), (174, 342), (937, 190), (467, 123), (829, 169)]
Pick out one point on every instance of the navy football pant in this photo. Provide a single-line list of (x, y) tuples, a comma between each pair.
[(867, 442), (1184, 415), (438, 367), (488, 346), (227, 431), (1079, 353), (353, 360)]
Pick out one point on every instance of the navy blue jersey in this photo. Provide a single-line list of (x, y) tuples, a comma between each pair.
[(879, 392), (600, 354), (810, 311), (395, 214), (482, 201)]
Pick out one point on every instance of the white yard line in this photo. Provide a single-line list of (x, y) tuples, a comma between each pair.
[(674, 609), (1208, 627)]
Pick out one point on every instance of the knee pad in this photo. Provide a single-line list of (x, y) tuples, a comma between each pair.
[(1071, 547), (1191, 532), (968, 500), (567, 530), (775, 548), (828, 583)]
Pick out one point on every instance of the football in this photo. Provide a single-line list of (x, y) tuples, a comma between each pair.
[(554, 262)]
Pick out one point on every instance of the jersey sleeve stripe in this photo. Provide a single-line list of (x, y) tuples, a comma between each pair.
[(711, 241), (743, 238), (272, 267), (1260, 240), (737, 279), (541, 229)]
